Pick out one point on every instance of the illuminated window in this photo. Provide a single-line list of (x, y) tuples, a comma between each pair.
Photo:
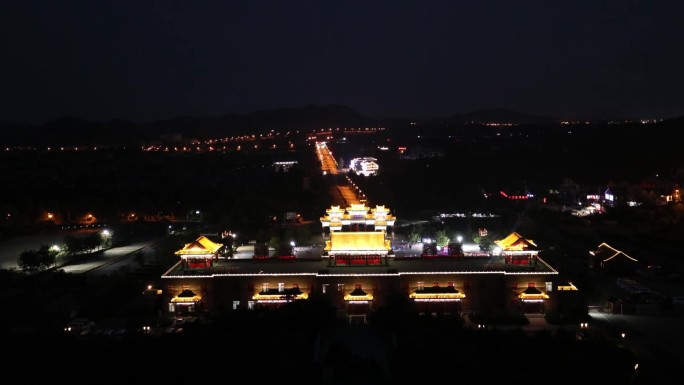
[(281, 287), (421, 285), (236, 304), (264, 287), (250, 305), (340, 287), (324, 288), (549, 286), (450, 284)]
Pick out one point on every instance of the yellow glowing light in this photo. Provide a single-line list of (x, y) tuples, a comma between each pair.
[(358, 241), (570, 286), (367, 297), (515, 242), (541, 296), (436, 295), (200, 247), (193, 299), (279, 296), (616, 252)]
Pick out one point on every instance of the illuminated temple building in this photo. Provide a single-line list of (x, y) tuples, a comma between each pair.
[(199, 253), (517, 250), (357, 217), (357, 248), (358, 273)]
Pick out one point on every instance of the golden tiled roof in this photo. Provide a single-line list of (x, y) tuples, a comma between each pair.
[(515, 241), (200, 246)]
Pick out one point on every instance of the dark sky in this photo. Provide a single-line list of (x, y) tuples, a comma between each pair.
[(151, 60)]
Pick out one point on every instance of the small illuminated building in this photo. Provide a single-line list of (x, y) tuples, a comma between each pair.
[(437, 299), (517, 250), (357, 248), (364, 166), (358, 304), (199, 253), (613, 260), (532, 299), (357, 217), (185, 303), (277, 296)]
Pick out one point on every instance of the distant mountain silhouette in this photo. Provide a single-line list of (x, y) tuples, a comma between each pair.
[(71, 130)]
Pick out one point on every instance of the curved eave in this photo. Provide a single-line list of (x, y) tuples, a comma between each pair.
[(367, 297), (437, 296), (533, 297), (194, 299), (357, 252), (278, 297)]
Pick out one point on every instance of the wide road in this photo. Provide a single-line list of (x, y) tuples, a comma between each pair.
[(110, 260), (11, 249), (328, 162), (341, 192), (103, 262)]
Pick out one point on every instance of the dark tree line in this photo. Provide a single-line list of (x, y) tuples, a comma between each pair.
[(32, 261), (47, 256)]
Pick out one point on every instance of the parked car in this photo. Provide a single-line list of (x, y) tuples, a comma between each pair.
[(79, 325)]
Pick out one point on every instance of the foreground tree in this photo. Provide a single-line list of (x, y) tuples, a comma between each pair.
[(31, 261), (441, 238)]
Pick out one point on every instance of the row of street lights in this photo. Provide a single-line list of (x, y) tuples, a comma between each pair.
[(358, 191)]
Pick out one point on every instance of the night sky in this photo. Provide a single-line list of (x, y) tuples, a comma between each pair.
[(152, 60)]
